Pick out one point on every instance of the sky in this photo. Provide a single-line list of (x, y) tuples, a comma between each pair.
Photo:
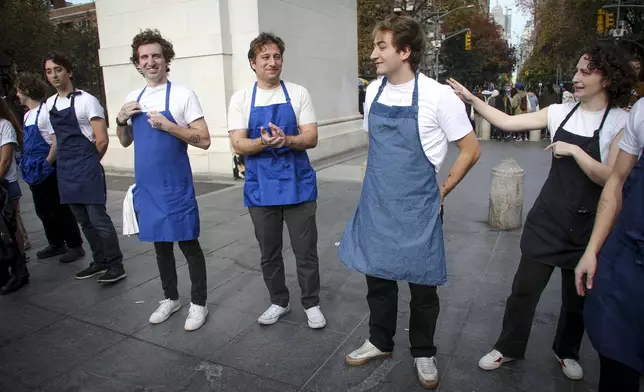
[(518, 19)]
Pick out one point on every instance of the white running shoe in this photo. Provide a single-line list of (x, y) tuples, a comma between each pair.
[(493, 360), (427, 371), (164, 311), (364, 354), (196, 317), (571, 368), (272, 314), (316, 318)]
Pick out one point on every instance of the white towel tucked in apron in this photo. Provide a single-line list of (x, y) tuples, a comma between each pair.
[(130, 225)]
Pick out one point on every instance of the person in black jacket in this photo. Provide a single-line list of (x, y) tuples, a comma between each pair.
[(13, 267)]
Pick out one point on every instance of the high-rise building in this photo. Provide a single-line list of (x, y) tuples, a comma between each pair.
[(503, 19)]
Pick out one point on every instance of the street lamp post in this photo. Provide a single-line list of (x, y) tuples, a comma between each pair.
[(437, 35)]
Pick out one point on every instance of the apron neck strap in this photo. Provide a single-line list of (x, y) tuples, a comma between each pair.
[(569, 115), (603, 119), (252, 100), (167, 95), (288, 98), (414, 99), (38, 112)]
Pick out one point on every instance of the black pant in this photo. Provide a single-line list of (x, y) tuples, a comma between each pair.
[(382, 297), (100, 233), (302, 229), (615, 376), (57, 219), (196, 266), (530, 280)]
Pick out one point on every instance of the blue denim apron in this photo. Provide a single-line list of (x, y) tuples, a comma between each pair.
[(614, 310), (33, 161), (276, 177), (81, 179), (396, 231), (164, 195)]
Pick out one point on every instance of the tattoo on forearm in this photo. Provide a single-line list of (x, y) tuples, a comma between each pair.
[(195, 139)]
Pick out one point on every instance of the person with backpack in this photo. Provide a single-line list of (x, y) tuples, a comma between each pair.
[(585, 137)]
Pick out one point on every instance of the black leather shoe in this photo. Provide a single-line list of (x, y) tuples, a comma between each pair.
[(14, 284), (51, 251)]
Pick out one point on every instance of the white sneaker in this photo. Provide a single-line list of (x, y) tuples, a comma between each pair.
[(571, 368), (427, 371), (164, 311), (364, 354), (196, 317), (493, 360), (272, 314), (316, 318)]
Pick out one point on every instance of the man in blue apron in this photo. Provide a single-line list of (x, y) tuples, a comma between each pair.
[(613, 267), (396, 232), (78, 121), (272, 124), (38, 168), (161, 119)]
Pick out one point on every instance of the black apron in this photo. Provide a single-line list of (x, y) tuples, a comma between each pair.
[(559, 225)]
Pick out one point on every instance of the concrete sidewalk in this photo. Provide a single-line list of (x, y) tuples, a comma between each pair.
[(59, 334)]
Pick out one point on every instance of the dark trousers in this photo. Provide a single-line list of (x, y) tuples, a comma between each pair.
[(615, 376), (196, 266), (302, 229), (57, 219), (382, 297), (100, 233), (529, 282)]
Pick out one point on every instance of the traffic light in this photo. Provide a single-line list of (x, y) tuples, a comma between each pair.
[(468, 40), (610, 21), (600, 21)]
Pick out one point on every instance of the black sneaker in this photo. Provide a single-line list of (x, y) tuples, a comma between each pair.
[(90, 271), (51, 251), (112, 275), (72, 255)]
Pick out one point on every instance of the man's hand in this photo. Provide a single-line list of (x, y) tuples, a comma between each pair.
[(277, 140), (159, 121), (563, 149), (128, 110), (587, 266)]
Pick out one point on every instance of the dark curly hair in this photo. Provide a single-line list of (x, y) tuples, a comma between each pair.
[(613, 63), (262, 40), (150, 36), (59, 58), (406, 33), (32, 86)]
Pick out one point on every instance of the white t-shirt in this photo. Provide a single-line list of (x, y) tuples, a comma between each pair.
[(633, 140), (86, 107), (442, 117), (44, 126), (8, 135), (184, 104), (585, 123), (239, 107)]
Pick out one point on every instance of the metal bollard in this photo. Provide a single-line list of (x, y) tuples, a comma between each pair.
[(506, 196)]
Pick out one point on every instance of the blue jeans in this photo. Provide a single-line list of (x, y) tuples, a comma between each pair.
[(100, 233)]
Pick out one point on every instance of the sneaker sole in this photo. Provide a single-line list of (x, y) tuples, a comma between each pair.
[(317, 326), (505, 360), (175, 310), (426, 384), (122, 276), (271, 322), (90, 276), (201, 325), (360, 362)]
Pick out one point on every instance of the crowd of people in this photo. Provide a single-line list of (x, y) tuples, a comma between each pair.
[(581, 223)]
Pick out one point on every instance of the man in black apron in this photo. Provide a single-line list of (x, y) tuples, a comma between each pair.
[(78, 120), (558, 226)]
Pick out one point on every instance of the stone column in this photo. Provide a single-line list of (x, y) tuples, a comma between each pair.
[(535, 136), (506, 196), (486, 129)]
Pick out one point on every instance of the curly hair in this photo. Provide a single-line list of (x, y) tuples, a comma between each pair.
[(59, 58), (149, 36), (262, 40), (32, 86), (613, 63), (406, 33)]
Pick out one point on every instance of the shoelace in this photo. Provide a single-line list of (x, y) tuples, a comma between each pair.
[(273, 311), (193, 311), (166, 304), (426, 367)]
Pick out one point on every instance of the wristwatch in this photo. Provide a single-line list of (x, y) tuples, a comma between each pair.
[(120, 124)]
